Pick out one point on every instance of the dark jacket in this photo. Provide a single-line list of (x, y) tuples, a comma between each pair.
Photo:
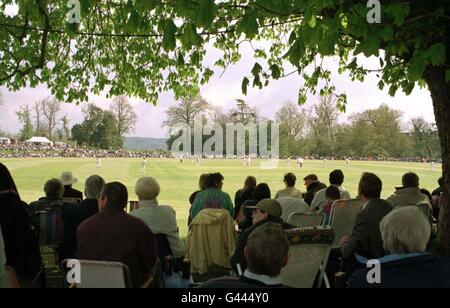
[(21, 243), (238, 256), (72, 216), (312, 190), (247, 222), (239, 198), (236, 283), (45, 204), (425, 271), (365, 239), (69, 192), (113, 235)]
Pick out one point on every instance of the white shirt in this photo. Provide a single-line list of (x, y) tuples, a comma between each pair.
[(162, 220), (292, 205), (320, 199), (267, 280)]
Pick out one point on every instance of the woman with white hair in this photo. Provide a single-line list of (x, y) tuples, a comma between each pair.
[(406, 233), (160, 218)]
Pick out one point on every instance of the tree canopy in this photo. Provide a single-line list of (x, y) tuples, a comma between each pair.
[(143, 47)]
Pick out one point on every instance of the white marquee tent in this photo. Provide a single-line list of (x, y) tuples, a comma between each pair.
[(39, 141)]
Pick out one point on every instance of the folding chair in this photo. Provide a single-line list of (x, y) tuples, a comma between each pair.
[(304, 220), (133, 206), (102, 274), (343, 216), (308, 256)]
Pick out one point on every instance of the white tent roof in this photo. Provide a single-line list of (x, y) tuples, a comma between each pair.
[(39, 140)]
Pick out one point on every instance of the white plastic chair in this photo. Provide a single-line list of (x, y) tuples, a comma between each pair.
[(343, 216)]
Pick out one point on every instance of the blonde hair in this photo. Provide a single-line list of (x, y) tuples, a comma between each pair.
[(405, 230), (147, 188)]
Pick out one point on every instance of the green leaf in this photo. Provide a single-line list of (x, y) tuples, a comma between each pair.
[(169, 41), (146, 5), (257, 69), (85, 6), (437, 54), (206, 13), (248, 24), (276, 73), (296, 52), (245, 84), (387, 34), (133, 22), (190, 36), (447, 76)]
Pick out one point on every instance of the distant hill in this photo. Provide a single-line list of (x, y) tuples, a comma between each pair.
[(150, 144)]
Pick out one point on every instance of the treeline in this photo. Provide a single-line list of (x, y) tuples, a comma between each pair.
[(316, 130)]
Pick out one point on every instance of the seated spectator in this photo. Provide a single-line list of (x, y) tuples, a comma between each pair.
[(336, 179), (266, 253), (266, 211), (68, 180), (213, 197), (290, 191), (160, 218), (202, 185), (409, 194), (244, 194), (261, 192), (436, 198), (74, 214), (405, 233), (365, 239), (113, 235), (211, 242), (2, 262), (20, 240), (291, 205), (54, 190), (438, 191), (332, 193), (313, 186)]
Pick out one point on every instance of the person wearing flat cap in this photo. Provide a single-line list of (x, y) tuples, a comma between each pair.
[(266, 211), (313, 186), (68, 180)]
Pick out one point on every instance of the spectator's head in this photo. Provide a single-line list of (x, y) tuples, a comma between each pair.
[(405, 230), (114, 196), (336, 177), (147, 189), (267, 250), (310, 179), (441, 182), (215, 180), (54, 188), (202, 182), (410, 180), (264, 209), (250, 183), (332, 193), (262, 191), (93, 187), (290, 179), (68, 179), (6, 180), (370, 186)]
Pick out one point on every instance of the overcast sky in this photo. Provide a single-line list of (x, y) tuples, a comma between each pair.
[(225, 90)]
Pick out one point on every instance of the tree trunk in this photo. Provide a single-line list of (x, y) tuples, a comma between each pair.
[(440, 93)]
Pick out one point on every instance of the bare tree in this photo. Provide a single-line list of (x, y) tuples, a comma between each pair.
[(186, 111), (50, 108), (125, 115), (65, 126), (24, 116), (38, 115), (291, 119)]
